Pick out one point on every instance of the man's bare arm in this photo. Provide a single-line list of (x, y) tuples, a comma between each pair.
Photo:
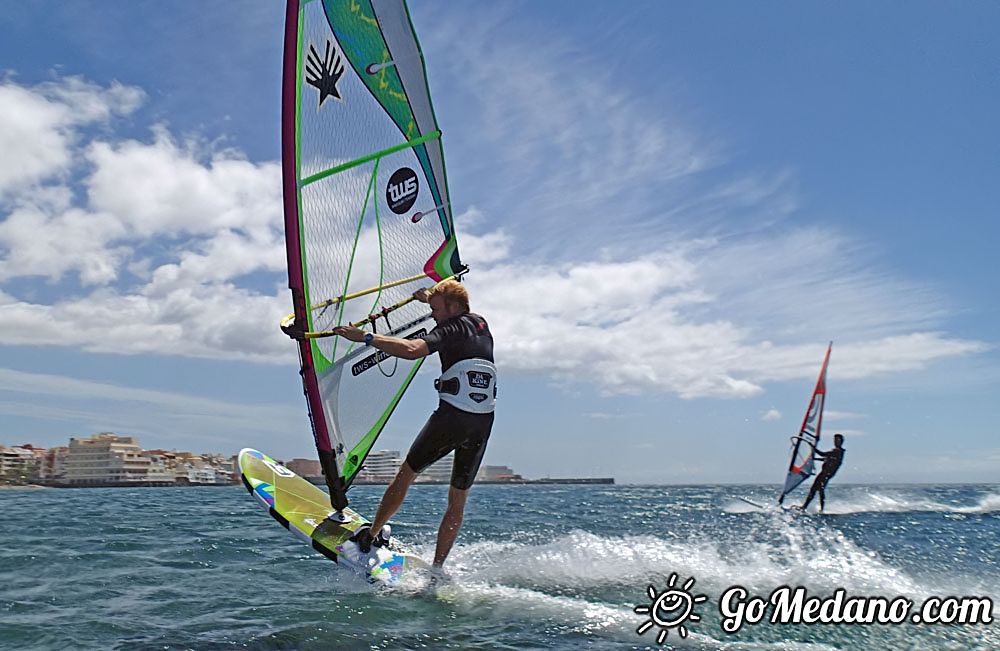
[(399, 347), (395, 346)]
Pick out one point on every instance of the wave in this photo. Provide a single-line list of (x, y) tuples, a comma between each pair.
[(588, 584), (784, 552), (555, 584), (879, 502)]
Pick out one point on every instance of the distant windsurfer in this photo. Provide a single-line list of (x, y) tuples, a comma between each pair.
[(831, 463), (463, 419)]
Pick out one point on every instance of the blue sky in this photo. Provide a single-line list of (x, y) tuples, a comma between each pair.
[(669, 209)]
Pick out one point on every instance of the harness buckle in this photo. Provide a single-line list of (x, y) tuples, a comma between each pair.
[(451, 386)]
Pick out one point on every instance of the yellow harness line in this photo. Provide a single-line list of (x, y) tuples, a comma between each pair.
[(287, 321)]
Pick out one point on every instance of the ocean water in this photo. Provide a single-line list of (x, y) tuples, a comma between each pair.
[(536, 567)]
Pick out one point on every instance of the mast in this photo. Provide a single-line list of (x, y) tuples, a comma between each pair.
[(293, 240)]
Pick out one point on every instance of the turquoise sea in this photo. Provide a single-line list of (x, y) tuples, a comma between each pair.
[(536, 567)]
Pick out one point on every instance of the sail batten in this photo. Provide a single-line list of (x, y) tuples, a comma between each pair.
[(801, 465), (368, 158), (362, 166)]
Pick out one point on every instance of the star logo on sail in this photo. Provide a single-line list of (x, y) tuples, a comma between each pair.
[(324, 72)]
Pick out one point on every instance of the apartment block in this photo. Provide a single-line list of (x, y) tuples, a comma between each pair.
[(104, 458)]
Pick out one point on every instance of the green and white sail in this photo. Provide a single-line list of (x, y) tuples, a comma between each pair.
[(367, 214)]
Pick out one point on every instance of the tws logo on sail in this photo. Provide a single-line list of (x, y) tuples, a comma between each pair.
[(401, 192)]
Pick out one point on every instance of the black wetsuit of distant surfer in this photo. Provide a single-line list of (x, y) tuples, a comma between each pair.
[(463, 337), (831, 463)]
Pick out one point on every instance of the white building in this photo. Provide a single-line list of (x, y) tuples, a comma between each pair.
[(496, 473), (161, 467), (105, 457), (227, 470), (53, 466), (439, 470), (205, 475), (381, 466), (18, 464)]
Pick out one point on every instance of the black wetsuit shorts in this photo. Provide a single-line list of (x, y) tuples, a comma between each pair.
[(450, 428)]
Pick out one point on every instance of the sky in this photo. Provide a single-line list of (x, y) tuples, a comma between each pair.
[(669, 210)]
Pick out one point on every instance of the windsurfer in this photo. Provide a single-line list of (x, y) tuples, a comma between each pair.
[(831, 463), (464, 418)]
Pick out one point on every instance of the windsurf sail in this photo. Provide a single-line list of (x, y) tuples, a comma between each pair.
[(367, 213), (804, 444)]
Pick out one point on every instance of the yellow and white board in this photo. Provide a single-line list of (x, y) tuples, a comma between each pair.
[(303, 509)]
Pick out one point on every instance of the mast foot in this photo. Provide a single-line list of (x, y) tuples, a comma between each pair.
[(338, 516)]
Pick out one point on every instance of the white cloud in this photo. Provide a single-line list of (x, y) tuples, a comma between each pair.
[(74, 241), (697, 317), (570, 151), (165, 188), (907, 352), (189, 223), (808, 283), (220, 214), (487, 248), (100, 404), (651, 274), (771, 415), (219, 321), (656, 324), (32, 127), (88, 102), (38, 125)]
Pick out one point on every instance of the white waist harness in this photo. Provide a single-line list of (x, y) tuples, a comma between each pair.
[(469, 385)]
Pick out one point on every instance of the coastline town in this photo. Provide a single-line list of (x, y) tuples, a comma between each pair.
[(109, 460)]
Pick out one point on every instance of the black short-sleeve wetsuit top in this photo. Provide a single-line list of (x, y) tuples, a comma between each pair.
[(466, 336)]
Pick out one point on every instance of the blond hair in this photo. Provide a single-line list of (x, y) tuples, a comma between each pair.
[(451, 291)]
